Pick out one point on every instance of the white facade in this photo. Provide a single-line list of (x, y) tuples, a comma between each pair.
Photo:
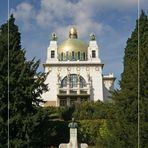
[(75, 72)]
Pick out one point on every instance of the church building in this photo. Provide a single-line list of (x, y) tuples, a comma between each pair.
[(75, 72)]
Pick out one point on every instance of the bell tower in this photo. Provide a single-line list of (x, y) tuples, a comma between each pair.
[(52, 49), (93, 50)]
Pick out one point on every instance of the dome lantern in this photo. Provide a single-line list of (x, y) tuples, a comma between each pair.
[(73, 33)]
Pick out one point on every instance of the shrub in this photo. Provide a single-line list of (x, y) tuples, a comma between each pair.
[(65, 113)]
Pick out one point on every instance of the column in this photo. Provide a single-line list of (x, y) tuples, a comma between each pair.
[(68, 101), (88, 88), (89, 82), (79, 100), (68, 83), (58, 82), (78, 84), (78, 88)]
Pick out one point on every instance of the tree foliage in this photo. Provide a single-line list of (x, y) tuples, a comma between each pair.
[(21, 88), (124, 128), (93, 110), (143, 81)]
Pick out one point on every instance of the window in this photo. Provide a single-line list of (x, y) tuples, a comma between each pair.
[(63, 102), (73, 81), (62, 56), (79, 55), (83, 55), (72, 101), (73, 55), (93, 54), (52, 54), (82, 82), (67, 55)]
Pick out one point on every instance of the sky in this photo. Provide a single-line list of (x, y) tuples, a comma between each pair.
[(112, 21)]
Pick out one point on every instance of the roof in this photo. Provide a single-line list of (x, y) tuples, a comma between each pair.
[(72, 44)]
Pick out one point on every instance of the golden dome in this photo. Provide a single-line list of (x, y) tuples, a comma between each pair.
[(73, 47), (71, 44)]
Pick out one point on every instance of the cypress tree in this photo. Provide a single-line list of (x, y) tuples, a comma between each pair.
[(143, 81), (124, 128), (25, 88), (3, 84)]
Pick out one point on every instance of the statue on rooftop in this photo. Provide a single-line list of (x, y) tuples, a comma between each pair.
[(53, 36), (92, 37)]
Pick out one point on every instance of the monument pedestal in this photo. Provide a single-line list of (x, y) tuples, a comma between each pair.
[(73, 141), (73, 138)]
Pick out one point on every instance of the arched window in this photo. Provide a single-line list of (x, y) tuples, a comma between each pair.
[(73, 81), (52, 53), (83, 55), (93, 54), (67, 56), (78, 55), (62, 56), (73, 55)]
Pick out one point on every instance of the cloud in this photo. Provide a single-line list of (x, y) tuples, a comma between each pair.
[(51, 11), (61, 15), (67, 13), (25, 13), (83, 29)]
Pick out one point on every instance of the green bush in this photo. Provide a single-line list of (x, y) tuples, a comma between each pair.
[(93, 131), (52, 112), (90, 131), (51, 133), (54, 132), (93, 110), (65, 113)]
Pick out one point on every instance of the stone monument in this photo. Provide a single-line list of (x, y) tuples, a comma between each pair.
[(73, 142)]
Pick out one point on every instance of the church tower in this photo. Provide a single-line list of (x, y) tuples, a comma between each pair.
[(75, 72)]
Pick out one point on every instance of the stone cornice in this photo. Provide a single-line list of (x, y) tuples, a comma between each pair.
[(109, 78), (79, 63)]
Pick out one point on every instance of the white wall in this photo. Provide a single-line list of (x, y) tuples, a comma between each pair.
[(95, 71)]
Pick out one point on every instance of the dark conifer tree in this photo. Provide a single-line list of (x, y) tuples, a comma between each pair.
[(25, 89), (126, 99), (134, 86), (143, 81)]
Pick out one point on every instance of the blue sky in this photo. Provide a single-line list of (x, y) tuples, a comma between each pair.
[(111, 20)]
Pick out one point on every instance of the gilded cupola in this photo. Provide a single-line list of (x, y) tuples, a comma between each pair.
[(73, 48), (73, 33)]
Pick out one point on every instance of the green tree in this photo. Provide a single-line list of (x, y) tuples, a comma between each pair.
[(93, 110), (65, 113), (125, 128), (25, 88), (143, 81)]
